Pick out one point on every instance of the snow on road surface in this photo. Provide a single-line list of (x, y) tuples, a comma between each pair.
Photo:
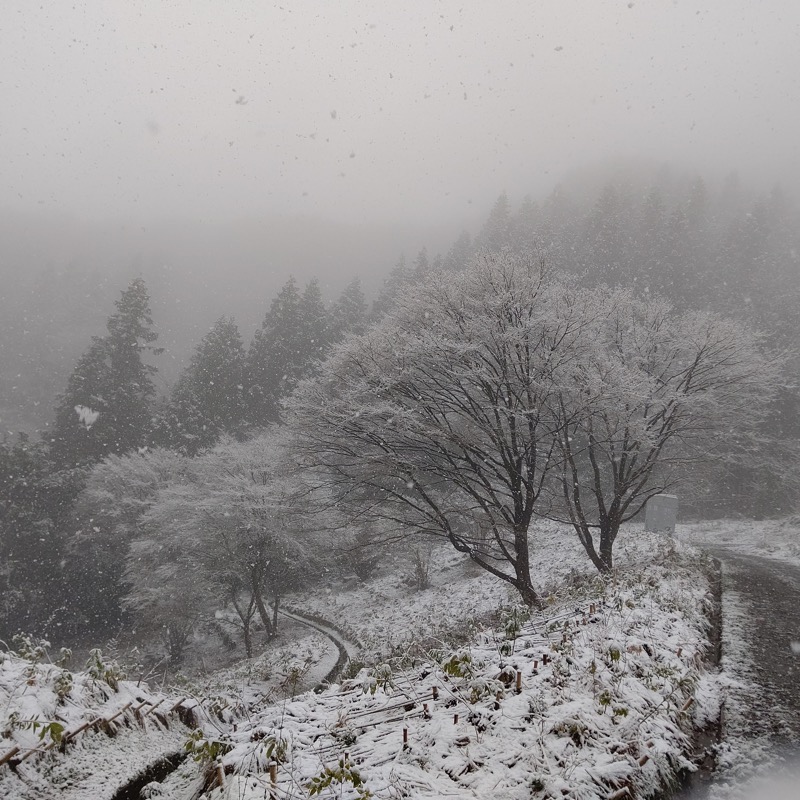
[(760, 757)]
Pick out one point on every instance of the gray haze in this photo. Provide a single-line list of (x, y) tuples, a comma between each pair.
[(375, 111), (216, 148)]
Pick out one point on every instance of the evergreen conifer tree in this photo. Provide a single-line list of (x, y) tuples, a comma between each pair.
[(34, 503), (273, 356), (315, 335), (208, 399), (349, 312), (496, 232), (294, 337), (106, 406), (459, 254)]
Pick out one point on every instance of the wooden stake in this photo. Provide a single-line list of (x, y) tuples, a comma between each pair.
[(152, 708), (519, 682), (70, 735), (273, 779), (9, 755), (122, 711), (173, 708), (455, 719), (435, 692), (405, 738)]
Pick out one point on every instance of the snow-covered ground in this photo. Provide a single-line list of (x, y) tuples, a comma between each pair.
[(608, 672), (778, 539), (610, 683), (109, 728)]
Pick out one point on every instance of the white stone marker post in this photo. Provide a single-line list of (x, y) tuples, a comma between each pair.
[(661, 513)]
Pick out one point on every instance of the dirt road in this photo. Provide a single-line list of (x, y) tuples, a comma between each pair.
[(770, 591), (760, 755)]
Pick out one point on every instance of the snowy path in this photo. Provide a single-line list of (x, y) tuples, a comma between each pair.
[(771, 590), (761, 632), (327, 670)]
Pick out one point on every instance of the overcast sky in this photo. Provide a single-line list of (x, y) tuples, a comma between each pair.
[(368, 111)]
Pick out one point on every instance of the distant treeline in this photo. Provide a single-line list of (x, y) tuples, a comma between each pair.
[(724, 250)]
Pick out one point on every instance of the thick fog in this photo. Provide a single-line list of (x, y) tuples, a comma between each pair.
[(340, 340), (216, 149), (364, 111)]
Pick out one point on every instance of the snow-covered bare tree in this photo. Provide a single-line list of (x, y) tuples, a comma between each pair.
[(118, 492), (494, 396), (229, 527), (657, 392), (439, 418)]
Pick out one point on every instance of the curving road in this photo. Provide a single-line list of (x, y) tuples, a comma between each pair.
[(347, 650)]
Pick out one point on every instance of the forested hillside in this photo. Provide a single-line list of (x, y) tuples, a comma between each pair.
[(122, 463)]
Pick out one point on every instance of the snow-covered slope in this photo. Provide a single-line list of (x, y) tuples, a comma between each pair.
[(607, 675), (78, 734), (610, 684)]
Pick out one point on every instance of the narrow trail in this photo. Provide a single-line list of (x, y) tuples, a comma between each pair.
[(771, 592), (347, 649), (329, 671), (760, 658)]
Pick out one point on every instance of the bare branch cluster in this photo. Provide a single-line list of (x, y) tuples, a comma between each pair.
[(491, 397)]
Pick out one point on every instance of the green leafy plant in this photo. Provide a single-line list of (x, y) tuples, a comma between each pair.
[(379, 677), (54, 731), (107, 671), (294, 677), (33, 650), (484, 687), (577, 730), (343, 773), (204, 750), (456, 665), (45, 729), (272, 747), (63, 684), (512, 623)]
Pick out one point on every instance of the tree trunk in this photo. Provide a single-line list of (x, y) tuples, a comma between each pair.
[(585, 537), (276, 604), (522, 564), (248, 639), (246, 616), (608, 535), (263, 612), (528, 593)]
